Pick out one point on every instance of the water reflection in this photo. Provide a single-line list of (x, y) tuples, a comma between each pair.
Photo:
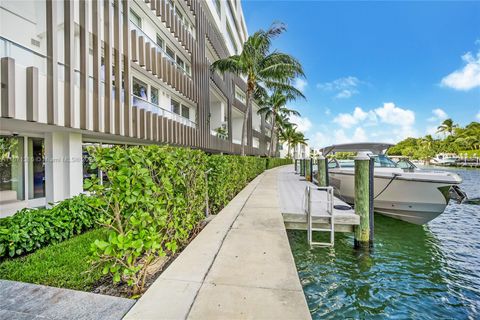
[(414, 271)]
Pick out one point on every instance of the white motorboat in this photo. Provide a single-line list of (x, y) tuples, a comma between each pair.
[(401, 190), (445, 159)]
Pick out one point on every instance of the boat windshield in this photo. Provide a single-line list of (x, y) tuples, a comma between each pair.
[(382, 161)]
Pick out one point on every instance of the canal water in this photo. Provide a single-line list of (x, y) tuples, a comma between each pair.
[(419, 272)]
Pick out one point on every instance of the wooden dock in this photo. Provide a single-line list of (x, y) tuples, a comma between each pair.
[(291, 189)]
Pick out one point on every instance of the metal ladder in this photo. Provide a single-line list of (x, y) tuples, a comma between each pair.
[(329, 215)]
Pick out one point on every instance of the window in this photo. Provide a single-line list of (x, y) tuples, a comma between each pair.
[(36, 174), (154, 95), (175, 106), (232, 38), (170, 52), (160, 41), (11, 169), (180, 63), (187, 69), (140, 89), (185, 112), (240, 95), (135, 18)]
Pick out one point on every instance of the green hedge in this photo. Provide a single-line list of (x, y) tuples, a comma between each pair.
[(151, 199), (275, 162), (31, 229), (228, 175), (155, 198)]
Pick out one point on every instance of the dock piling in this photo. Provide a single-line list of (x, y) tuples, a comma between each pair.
[(322, 171), (302, 167), (308, 169), (364, 200)]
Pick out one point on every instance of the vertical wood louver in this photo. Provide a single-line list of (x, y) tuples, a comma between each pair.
[(52, 60), (69, 73), (108, 54), (84, 57), (32, 94)]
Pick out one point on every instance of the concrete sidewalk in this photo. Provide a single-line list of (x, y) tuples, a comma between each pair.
[(19, 300), (239, 267)]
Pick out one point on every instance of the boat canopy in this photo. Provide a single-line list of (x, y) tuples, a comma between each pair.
[(374, 147)]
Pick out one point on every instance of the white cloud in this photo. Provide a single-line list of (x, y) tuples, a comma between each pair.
[(360, 135), (344, 87), (478, 115), (391, 114), (388, 123), (348, 120), (328, 111), (467, 77), (300, 84), (303, 124), (438, 115)]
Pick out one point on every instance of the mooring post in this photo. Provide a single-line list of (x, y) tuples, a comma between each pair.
[(322, 171), (308, 172), (364, 200), (311, 169)]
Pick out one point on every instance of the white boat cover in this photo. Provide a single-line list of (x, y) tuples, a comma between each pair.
[(374, 147)]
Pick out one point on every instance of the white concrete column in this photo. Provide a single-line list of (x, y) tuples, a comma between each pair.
[(63, 165)]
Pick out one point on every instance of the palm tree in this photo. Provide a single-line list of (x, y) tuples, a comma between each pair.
[(299, 139), (447, 126), (262, 68), (427, 143), (287, 134), (274, 107)]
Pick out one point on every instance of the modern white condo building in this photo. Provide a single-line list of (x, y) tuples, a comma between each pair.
[(82, 72)]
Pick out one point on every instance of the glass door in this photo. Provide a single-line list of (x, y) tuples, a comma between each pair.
[(36, 168)]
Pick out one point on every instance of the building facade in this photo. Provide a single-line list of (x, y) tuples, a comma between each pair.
[(76, 73)]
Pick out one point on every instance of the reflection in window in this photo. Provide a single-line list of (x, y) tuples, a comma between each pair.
[(135, 18), (180, 62), (36, 168), (160, 41), (11, 169), (175, 107), (154, 95), (185, 112), (139, 89), (170, 53)]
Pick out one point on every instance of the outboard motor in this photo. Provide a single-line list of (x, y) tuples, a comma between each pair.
[(457, 194)]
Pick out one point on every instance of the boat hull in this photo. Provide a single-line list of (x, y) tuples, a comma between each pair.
[(412, 201)]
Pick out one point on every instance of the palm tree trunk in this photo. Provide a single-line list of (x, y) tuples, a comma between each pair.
[(245, 119), (288, 149), (272, 133)]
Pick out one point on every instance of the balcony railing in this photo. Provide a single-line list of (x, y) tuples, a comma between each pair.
[(157, 47), (149, 106)]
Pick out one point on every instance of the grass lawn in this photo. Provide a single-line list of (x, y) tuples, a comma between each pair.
[(65, 264)]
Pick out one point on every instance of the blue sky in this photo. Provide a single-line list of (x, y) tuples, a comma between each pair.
[(378, 71)]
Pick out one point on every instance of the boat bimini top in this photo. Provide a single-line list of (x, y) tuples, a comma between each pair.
[(374, 147)]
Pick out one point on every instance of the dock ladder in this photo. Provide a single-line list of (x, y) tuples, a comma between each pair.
[(328, 214)]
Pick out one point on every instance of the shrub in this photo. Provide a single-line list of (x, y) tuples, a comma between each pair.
[(275, 162), (155, 197), (228, 175), (31, 229)]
